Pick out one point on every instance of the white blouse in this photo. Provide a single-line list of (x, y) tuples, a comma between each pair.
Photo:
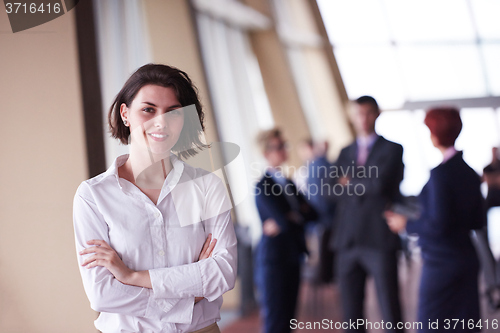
[(165, 239)]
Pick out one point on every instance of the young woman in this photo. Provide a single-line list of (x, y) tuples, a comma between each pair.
[(154, 236)]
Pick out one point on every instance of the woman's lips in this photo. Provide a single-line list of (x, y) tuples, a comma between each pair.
[(158, 136)]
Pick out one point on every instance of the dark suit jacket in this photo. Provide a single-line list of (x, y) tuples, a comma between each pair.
[(359, 217), (451, 205), (289, 245)]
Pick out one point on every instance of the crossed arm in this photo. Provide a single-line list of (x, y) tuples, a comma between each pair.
[(106, 256)]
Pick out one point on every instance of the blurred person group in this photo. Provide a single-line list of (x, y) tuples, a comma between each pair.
[(361, 232)]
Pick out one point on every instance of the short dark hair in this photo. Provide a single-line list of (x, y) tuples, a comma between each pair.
[(189, 142), (445, 124), (368, 100)]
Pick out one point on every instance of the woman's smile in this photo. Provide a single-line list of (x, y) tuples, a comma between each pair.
[(158, 136)]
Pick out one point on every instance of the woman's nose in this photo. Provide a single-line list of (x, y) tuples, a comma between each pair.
[(160, 121)]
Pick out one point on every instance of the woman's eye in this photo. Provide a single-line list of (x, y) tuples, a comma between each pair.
[(148, 110)]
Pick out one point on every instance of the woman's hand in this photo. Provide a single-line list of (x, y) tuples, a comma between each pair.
[(271, 228), (208, 248), (395, 221), (206, 252), (107, 257)]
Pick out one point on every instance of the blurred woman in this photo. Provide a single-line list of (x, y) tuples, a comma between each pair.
[(451, 205), (279, 254)]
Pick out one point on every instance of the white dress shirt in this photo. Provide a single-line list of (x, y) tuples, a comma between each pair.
[(365, 144), (165, 239)]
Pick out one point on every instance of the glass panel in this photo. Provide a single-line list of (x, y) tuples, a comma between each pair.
[(491, 54), (479, 134), (429, 20), (498, 124), (441, 72), (371, 71), (354, 21), (486, 14), (407, 128)]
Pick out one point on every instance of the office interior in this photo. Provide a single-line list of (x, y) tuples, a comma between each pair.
[(294, 64)]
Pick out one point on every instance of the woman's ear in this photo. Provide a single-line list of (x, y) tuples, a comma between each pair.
[(124, 112)]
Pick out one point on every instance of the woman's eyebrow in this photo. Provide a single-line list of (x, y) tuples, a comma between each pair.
[(170, 107)]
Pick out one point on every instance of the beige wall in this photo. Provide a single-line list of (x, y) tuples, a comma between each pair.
[(329, 96), (326, 84), (43, 161), (278, 82)]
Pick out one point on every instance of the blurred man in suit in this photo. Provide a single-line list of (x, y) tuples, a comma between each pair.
[(283, 211), (370, 171)]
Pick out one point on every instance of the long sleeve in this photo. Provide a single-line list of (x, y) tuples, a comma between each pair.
[(211, 277), (436, 208), (268, 210), (105, 293), (443, 207)]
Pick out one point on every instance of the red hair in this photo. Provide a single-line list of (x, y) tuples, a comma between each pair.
[(445, 124)]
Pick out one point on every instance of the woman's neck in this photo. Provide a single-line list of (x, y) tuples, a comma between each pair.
[(448, 152), (147, 169)]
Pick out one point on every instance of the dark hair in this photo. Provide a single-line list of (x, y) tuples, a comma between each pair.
[(187, 94), (445, 124), (368, 100)]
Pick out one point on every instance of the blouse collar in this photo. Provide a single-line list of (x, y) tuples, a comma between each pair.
[(448, 154), (172, 179)]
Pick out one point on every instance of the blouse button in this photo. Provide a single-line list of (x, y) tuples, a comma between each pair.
[(161, 253)]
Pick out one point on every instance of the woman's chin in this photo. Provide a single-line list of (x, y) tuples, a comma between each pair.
[(163, 150)]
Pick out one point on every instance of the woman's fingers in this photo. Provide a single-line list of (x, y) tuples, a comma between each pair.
[(101, 257), (98, 242), (89, 260), (94, 249), (98, 262), (207, 243), (98, 259), (205, 247), (210, 249)]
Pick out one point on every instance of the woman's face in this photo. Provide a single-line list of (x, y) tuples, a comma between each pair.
[(276, 152), (155, 119)]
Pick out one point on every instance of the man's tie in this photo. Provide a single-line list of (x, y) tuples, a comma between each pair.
[(362, 153)]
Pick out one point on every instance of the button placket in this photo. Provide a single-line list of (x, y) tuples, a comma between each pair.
[(160, 242)]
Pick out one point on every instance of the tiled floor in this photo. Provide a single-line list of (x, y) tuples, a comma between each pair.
[(323, 303)]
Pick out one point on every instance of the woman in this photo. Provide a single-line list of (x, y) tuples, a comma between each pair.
[(451, 205), (144, 227), (283, 211)]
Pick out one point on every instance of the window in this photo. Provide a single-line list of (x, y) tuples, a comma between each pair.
[(413, 54)]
